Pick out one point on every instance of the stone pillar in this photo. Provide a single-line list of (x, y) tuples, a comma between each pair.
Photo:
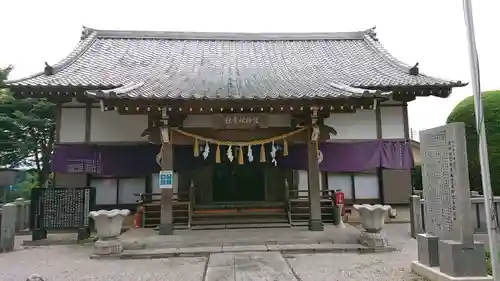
[(428, 249), (416, 216), (315, 223), (8, 224), (27, 213), (19, 214)]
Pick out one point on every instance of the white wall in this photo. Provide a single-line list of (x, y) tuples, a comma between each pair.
[(342, 182), (303, 182), (107, 190), (392, 122), (361, 124), (365, 185), (110, 126), (72, 125)]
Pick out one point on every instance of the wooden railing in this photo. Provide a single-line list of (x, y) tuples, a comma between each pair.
[(298, 206), (151, 208)]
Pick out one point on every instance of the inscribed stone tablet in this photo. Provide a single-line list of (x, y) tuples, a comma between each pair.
[(445, 180)]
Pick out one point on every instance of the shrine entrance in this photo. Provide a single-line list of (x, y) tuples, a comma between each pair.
[(233, 182)]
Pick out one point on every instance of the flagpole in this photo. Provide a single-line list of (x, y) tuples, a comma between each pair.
[(483, 147)]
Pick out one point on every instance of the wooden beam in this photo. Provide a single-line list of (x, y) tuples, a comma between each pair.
[(58, 122), (378, 121), (253, 107), (406, 122), (88, 121), (380, 174)]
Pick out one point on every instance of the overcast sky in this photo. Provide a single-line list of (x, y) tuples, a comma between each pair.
[(431, 32)]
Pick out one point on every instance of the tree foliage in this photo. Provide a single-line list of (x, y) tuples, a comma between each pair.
[(416, 178), (464, 112), (27, 131)]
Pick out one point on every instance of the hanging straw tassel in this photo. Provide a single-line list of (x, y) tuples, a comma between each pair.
[(285, 147), (196, 148), (317, 149), (240, 156), (217, 154), (262, 153)]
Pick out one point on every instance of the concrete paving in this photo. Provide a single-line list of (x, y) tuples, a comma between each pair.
[(248, 267), (71, 263)]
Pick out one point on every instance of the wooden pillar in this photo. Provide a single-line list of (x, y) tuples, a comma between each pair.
[(166, 163), (380, 174), (315, 223), (166, 220), (313, 179)]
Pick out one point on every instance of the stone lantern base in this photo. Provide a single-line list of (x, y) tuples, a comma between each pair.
[(108, 247), (373, 240)]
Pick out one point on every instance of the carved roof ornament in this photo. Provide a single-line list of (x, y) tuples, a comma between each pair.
[(86, 32), (48, 70), (372, 33), (414, 70)]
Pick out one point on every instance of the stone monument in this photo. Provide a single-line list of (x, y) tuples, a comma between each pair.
[(447, 250), (8, 226)]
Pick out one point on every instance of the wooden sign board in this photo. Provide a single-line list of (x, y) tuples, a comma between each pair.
[(240, 121)]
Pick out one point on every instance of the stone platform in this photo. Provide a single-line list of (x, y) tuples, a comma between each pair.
[(209, 250), (146, 243), (433, 273), (144, 238)]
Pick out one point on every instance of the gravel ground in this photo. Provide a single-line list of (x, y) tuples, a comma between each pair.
[(67, 263), (393, 266), (70, 263)]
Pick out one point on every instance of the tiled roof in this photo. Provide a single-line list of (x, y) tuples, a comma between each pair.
[(186, 65)]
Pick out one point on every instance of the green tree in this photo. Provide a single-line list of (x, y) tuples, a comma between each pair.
[(416, 178), (464, 112), (27, 131)]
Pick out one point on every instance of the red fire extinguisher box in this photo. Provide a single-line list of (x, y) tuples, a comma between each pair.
[(339, 200)]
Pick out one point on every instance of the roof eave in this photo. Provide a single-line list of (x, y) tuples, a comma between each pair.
[(78, 51)]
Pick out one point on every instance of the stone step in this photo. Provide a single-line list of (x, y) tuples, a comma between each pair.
[(241, 226), (227, 221), (240, 214)]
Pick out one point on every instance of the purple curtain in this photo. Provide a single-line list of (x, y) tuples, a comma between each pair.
[(106, 160), (396, 155), (141, 159), (76, 159), (354, 157)]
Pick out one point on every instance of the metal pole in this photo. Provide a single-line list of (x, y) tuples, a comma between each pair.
[(483, 148)]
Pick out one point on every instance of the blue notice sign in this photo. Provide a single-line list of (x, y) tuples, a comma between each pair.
[(166, 179)]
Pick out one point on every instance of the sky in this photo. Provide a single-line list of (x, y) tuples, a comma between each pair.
[(431, 32)]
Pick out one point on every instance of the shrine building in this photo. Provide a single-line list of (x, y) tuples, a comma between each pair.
[(244, 121)]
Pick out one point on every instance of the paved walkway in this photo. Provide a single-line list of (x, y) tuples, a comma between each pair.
[(70, 263)]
